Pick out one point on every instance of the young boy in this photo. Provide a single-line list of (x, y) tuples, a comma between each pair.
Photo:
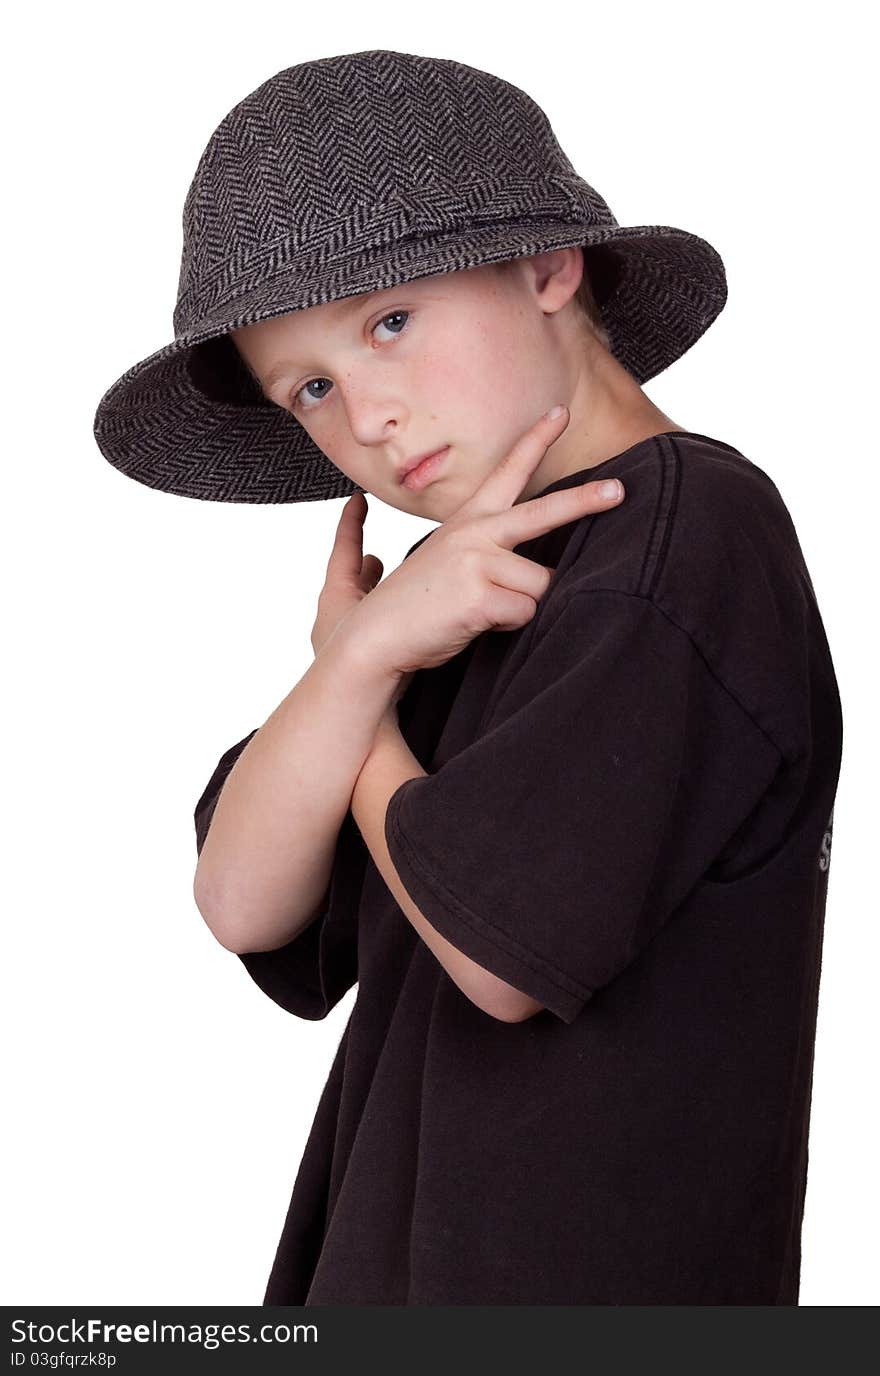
[(557, 792)]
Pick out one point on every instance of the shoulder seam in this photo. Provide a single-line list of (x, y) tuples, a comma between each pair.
[(643, 597)]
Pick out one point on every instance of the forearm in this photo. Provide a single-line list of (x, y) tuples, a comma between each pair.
[(388, 764), (267, 859)]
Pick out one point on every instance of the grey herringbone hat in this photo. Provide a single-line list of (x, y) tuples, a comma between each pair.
[(350, 174)]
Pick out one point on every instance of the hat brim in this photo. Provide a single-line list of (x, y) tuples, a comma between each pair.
[(162, 423)]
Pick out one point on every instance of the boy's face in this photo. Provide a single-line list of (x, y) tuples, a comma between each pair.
[(468, 360)]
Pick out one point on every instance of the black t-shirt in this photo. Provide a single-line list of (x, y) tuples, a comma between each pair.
[(627, 815)]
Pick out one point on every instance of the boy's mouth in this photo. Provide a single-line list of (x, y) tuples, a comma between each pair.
[(418, 472), (410, 464)]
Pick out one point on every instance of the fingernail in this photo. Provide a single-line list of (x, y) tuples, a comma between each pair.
[(557, 411), (610, 490)]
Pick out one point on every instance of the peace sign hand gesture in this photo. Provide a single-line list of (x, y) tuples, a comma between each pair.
[(465, 579)]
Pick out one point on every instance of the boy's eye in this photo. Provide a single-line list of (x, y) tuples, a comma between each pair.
[(302, 397)]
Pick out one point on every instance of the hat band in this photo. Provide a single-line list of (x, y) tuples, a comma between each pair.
[(387, 224)]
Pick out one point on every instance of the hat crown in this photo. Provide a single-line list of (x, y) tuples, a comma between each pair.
[(364, 150)]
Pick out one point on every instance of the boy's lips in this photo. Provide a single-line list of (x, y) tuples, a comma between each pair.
[(418, 471)]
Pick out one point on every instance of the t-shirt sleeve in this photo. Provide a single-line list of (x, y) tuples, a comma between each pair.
[(611, 772), (310, 974)]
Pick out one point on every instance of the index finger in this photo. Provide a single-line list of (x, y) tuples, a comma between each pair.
[(346, 556), (496, 496), (499, 489)]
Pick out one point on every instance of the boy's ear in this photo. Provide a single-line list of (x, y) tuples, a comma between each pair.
[(218, 370)]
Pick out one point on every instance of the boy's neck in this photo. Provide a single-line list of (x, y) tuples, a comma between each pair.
[(609, 413)]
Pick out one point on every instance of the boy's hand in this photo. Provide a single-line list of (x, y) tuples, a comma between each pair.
[(465, 579)]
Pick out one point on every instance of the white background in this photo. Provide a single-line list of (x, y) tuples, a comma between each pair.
[(158, 1101)]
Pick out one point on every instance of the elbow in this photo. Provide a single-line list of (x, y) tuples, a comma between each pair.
[(485, 990), (213, 914), (233, 923), (504, 1003), (519, 1010)]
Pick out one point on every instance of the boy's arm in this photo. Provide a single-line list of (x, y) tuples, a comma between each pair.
[(266, 863), (388, 764)]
